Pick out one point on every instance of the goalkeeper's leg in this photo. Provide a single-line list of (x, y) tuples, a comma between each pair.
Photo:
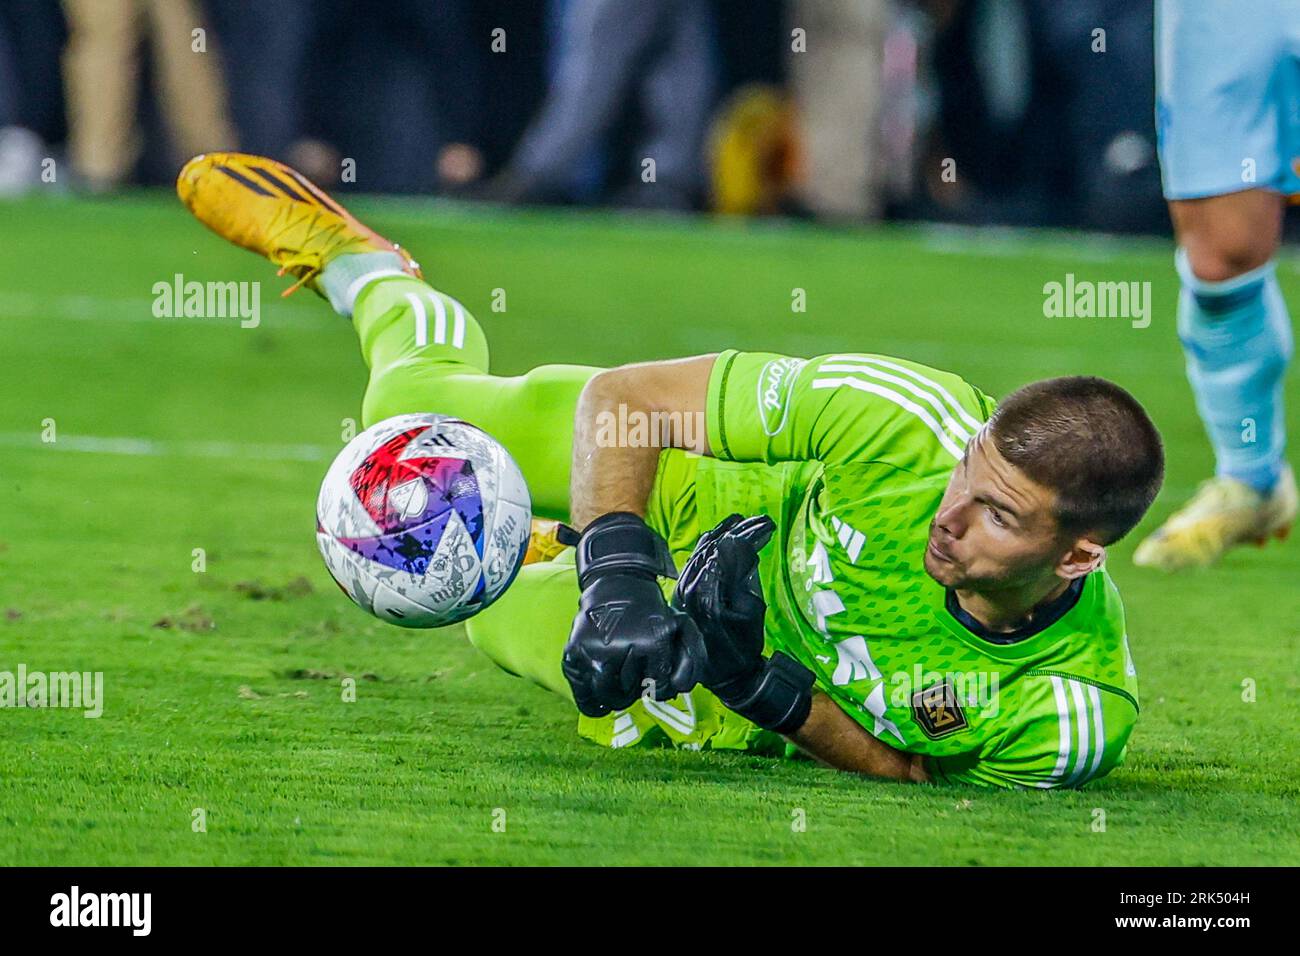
[(426, 353)]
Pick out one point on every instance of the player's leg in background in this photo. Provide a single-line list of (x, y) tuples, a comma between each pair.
[(1223, 85), (101, 68), (1235, 329), (427, 353)]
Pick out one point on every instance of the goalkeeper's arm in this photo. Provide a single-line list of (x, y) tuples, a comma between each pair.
[(837, 740), (626, 640), (610, 476)]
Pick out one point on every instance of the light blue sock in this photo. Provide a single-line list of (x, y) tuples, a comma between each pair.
[(1236, 335)]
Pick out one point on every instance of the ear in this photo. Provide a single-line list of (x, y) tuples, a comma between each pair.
[(1084, 557)]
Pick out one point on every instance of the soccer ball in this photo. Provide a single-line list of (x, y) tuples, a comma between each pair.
[(423, 520)]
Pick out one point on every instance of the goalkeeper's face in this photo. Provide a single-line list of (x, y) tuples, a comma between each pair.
[(996, 529)]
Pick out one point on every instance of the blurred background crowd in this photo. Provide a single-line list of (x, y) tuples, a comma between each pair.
[(984, 111)]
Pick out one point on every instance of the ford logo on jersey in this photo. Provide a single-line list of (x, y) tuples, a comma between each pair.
[(775, 384)]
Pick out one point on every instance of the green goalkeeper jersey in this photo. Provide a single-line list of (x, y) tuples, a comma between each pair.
[(870, 443)]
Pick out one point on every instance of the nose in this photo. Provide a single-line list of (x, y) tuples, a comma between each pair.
[(951, 518)]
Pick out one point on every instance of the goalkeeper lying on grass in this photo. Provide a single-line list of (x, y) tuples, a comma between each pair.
[(917, 591)]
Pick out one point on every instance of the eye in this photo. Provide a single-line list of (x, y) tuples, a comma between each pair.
[(997, 517)]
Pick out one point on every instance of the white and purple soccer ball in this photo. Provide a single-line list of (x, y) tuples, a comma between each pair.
[(423, 520)]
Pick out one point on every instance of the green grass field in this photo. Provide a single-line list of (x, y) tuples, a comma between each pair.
[(222, 688)]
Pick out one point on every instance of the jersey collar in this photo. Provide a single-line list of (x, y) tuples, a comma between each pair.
[(1023, 641)]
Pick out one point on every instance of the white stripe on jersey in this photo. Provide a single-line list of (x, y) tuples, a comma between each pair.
[(912, 373), (854, 547), (421, 320), (1087, 714), (1099, 730), (907, 404), (930, 399), (625, 730), (1085, 744), (458, 333), (361, 281), (850, 538), (1065, 732), (682, 722), (439, 318)]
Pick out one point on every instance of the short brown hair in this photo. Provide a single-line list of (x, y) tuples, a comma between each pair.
[(1089, 441)]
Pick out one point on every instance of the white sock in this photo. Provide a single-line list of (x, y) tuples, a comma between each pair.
[(343, 278)]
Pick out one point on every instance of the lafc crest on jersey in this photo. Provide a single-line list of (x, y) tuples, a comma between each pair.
[(937, 711)]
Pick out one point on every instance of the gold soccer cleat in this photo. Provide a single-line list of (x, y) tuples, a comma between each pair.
[(544, 541), (1222, 514), (275, 211)]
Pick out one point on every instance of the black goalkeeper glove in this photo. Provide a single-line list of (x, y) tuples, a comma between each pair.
[(626, 639), (719, 588)]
